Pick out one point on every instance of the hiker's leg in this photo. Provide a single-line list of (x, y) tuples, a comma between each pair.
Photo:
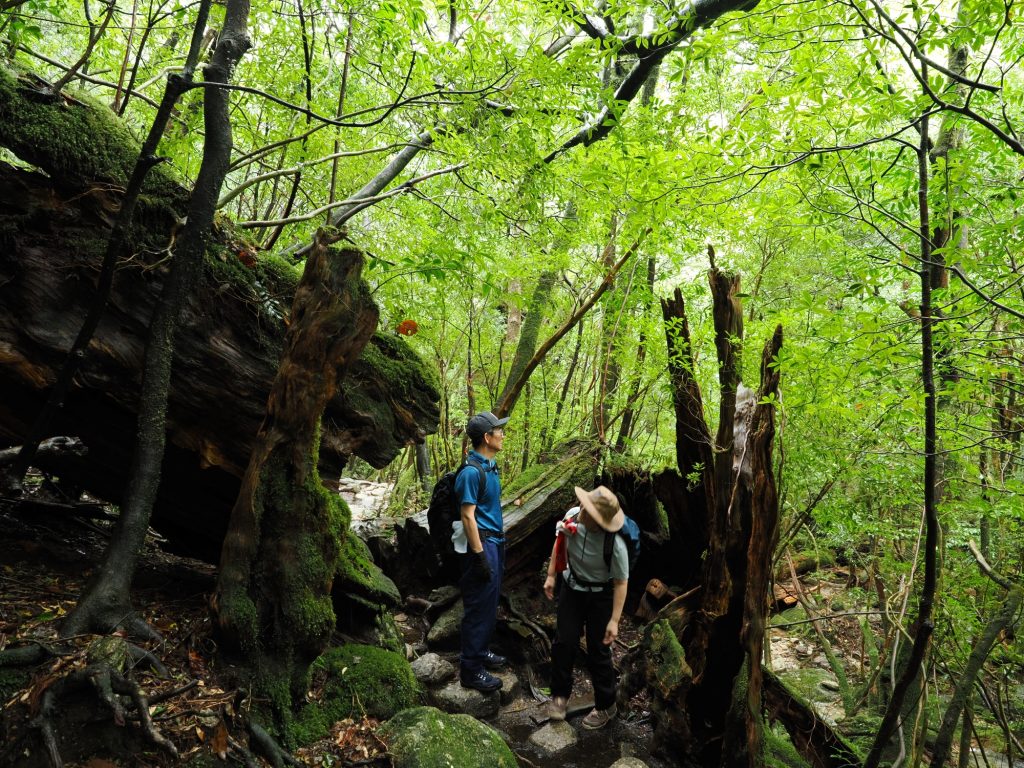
[(599, 655), (570, 614), (479, 602), (495, 551)]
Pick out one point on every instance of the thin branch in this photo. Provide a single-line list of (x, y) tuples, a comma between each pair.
[(360, 202), (231, 195)]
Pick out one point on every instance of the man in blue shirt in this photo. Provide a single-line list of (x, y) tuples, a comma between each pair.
[(480, 539)]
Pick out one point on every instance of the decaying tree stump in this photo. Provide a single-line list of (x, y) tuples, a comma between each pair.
[(701, 656), (284, 543)]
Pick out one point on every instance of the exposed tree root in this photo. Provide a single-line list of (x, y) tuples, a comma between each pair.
[(25, 655), (267, 746), (108, 684)]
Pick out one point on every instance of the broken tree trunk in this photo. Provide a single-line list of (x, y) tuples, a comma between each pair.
[(53, 228), (273, 599), (701, 658)]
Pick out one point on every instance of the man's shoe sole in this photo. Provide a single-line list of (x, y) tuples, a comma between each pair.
[(482, 689)]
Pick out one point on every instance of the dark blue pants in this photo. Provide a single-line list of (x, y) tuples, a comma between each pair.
[(577, 610), (480, 603)]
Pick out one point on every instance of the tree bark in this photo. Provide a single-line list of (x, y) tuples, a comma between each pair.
[(710, 707), (106, 602), (284, 542), (177, 84)]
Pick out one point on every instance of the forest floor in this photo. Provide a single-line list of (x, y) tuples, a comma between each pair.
[(45, 561), (44, 564)]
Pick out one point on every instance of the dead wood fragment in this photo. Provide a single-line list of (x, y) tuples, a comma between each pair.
[(813, 738)]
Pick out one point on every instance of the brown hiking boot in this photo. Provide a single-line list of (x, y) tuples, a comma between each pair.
[(555, 709), (599, 718)]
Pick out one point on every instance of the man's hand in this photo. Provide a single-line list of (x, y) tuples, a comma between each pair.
[(611, 632), (549, 587), (480, 568)]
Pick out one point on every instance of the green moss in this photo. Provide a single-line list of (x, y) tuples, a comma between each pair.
[(526, 479), (806, 684), (359, 679), (779, 750), (76, 140), (667, 660), (388, 635), (360, 576), (404, 370), (425, 737)]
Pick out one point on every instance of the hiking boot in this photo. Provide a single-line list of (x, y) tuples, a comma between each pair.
[(494, 661), (599, 718), (480, 681), (555, 709)]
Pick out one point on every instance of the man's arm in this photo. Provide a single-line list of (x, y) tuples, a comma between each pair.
[(618, 601), (469, 526)]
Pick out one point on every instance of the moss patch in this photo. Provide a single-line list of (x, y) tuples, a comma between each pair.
[(667, 665), (359, 679), (74, 139), (359, 577), (425, 737), (779, 751)]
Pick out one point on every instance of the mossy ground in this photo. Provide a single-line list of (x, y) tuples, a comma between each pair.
[(357, 680), (424, 737)]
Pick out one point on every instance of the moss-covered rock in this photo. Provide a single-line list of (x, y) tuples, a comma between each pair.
[(359, 578), (358, 679), (425, 737)]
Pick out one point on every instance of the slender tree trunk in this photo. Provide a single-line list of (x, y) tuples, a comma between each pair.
[(964, 686), (923, 626), (629, 412), (506, 403), (527, 344), (106, 602)]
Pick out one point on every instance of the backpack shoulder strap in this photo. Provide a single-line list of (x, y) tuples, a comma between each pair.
[(609, 546), (483, 475)]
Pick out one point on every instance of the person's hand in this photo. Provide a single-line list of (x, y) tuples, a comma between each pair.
[(480, 568), (549, 587), (611, 632)]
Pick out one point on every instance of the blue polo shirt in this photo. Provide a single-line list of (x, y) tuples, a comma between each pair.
[(467, 489)]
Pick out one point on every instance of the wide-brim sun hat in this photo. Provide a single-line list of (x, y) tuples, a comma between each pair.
[(603, 507)]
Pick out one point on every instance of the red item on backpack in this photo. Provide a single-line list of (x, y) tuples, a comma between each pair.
[(561, 553)]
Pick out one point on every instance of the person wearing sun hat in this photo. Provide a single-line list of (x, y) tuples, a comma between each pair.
[(590, 599)]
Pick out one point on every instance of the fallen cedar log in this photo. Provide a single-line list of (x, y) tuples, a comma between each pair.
[(52, 236)]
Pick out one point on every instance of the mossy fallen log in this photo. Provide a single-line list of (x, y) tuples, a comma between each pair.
[(55, 216)]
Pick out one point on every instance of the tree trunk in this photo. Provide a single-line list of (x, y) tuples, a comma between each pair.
[(226, 352), (701, 660), (527, 343), (285, 537), (106, 602)]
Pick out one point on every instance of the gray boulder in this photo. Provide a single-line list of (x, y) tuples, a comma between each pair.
[(430, 669), (554, 737), (456, 699)]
